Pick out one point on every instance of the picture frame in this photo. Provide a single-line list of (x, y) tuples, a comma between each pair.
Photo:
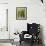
[(21, 13)]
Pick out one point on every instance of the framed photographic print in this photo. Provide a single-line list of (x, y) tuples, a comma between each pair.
[(21, 13)]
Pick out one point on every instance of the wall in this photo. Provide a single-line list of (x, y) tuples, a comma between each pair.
[(30, 12), (3, 1), (35, 13)]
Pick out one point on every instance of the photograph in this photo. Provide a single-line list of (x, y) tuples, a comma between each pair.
[(21, 13)]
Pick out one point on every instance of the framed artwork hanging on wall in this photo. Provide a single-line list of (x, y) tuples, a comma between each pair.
[(21, 13)]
